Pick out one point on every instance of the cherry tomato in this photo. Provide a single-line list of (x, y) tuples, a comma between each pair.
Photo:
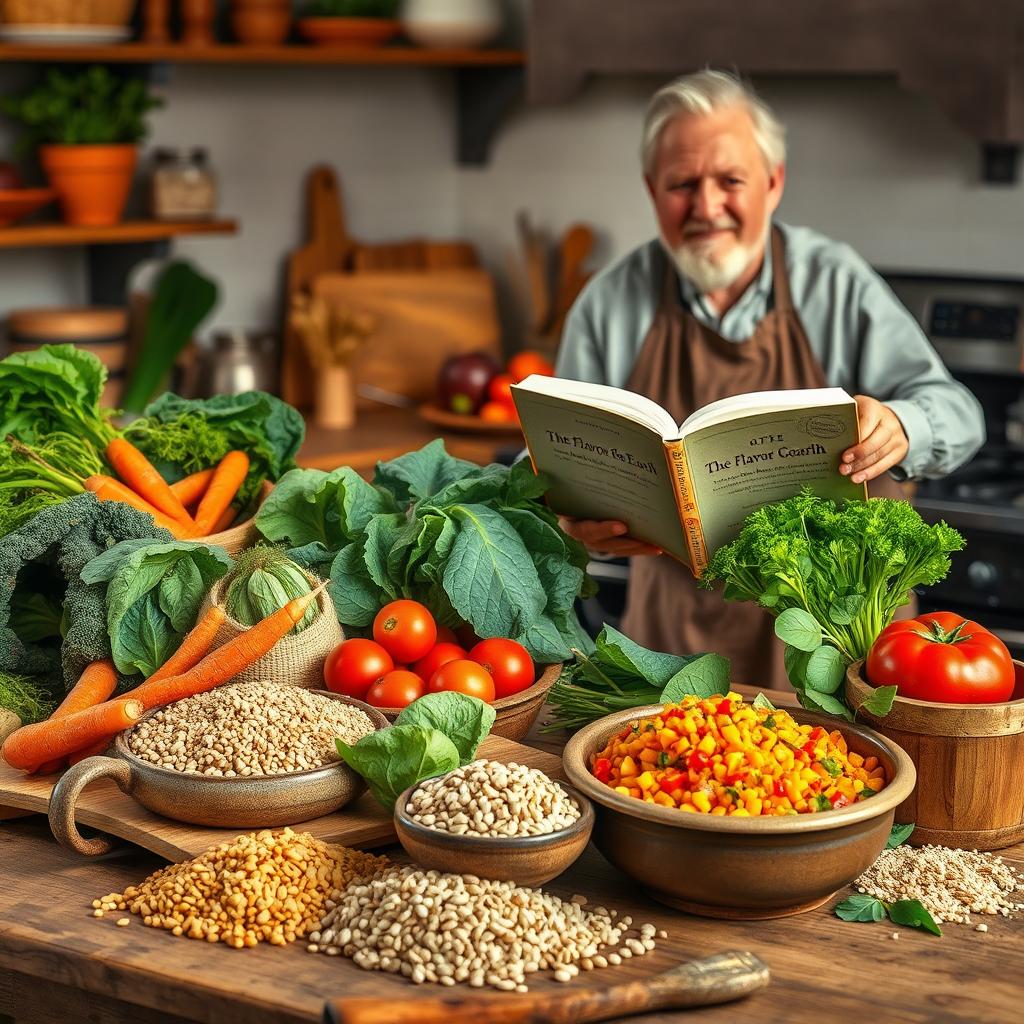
[(942, 657), (446, 635), (509, 665), (397, 689), (500, 389), (440, 654), (522, 364), (497, 412), (405, 629), (354, 665), (463, 676)]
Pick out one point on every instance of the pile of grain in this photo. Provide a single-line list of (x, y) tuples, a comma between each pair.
[(952, 884), (261, 887)]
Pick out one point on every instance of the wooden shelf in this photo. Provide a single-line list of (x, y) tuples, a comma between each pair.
[(227, 53), (30, 235)]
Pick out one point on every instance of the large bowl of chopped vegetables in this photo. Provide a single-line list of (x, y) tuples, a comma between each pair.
[(727, 809)]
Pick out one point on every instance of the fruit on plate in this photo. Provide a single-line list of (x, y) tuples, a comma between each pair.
[(463, 380), (9, 176), (942, 657), (527, 362)]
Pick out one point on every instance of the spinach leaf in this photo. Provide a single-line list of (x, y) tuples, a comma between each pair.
[(898, 835), (879, 701), (825, 669), (143, 638), (422, 473), (393, 759), (356, 597), (617, 653), (860, 907), (706, 676), (798, 629), (465, 720)]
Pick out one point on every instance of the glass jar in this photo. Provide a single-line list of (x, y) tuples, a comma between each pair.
[(182, 187)]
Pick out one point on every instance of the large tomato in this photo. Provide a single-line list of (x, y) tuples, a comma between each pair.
[(353, 666), (942, 657), (508, 663), (405, 629), (464, 677)]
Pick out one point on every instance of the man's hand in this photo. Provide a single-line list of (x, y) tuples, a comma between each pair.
[(885, 443), (606, 537)]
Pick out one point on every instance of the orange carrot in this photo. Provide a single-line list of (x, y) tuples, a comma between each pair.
[(227, 478), (225, 520), (194, 647), (191, 488), (33, 745), (81, 755), (224, 663), (141, 476), (94, 686), (106, 488)]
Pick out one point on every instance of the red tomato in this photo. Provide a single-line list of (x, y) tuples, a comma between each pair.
[(397, 689), (354, 665), (446, 635), (500, 389), (522, 364), (439, 654), (497, 412), (405, 629), (463, 677), (942, 657), (509, 665)]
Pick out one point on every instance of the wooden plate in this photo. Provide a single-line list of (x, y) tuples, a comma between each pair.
[(348, 32), (16, 203), (464, 424)]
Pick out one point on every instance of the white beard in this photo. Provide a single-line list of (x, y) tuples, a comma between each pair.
[(708, 271)]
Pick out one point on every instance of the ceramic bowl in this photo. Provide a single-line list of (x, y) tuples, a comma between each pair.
[(742, 868), (348, 32), (515, 715), (259, 801), (525, 860)]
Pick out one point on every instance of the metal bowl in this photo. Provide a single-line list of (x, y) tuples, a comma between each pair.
[(738, 867), (249, 802)]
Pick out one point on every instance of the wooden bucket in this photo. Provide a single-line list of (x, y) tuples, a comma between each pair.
[(970, 766)]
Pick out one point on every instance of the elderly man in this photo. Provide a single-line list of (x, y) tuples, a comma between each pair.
[(726, 301)]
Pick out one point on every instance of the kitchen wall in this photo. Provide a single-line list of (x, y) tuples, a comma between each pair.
[(869, 164)]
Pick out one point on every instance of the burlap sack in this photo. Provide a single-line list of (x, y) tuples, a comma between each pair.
[(295, 660)]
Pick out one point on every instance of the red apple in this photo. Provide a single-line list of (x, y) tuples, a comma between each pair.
[(462, 382)]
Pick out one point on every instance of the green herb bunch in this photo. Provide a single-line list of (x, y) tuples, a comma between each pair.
[(834, 575), (351, 9), (90, 107), (26, 697)]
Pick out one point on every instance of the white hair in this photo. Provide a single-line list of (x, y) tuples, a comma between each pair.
[(703, 93)]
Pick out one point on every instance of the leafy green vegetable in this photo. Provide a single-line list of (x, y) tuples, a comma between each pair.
[(465, 720), (393, 759), (879, 701), (182, 299), (153, 595), (898, 835), (26, 697), (35, 617), (474, 544), (860, 907), (914, 914), (264, 580), (620, 674), (761, 701), (833, 575), (832, 766)]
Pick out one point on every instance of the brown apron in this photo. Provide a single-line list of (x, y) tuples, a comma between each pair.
[(683, 365)]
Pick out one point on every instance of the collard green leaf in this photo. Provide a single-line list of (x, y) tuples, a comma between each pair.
[(914, 914), (490, 576), (860, 907), (429, 553), (879, 701), (382, 532), (798, 629), (485, 485), (544, 641), (180, 594), (465, 720), (357, 599), (143, 638), (825, 669), (393, 759), (296, 513), (103, 567), (422, 473), (523, 485), (898, 835), (618, 655), (706, 676), (355, 501), (315, 556)]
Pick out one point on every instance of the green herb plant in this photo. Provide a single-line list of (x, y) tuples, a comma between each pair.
[(424, 742), (351, 9), (620, 674), (88, 107), (26, 697), (833, 575), (474, 544)]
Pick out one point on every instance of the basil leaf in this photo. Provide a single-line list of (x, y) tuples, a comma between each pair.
[(831, 765), (822, 802), (393, 759), (814, 700), (799, 629), (898, 835), (465, 720), (914, 914), (879, 701), (860, 907), (761, 701), (705, 676), (844, 610)]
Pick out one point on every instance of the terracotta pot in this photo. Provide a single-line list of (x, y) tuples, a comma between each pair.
[(261, 22), (92, 182)]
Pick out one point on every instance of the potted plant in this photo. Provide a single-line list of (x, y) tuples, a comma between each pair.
[(349, 22), (87, 126)]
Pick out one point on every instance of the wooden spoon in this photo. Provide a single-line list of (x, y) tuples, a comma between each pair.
[(716, 979)]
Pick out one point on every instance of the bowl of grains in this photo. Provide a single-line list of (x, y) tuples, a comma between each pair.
[(248, 755), (505, 822), (760, 812)]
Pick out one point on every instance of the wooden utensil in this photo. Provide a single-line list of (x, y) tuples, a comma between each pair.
[(716, 979), (574, 250), (536, 262)]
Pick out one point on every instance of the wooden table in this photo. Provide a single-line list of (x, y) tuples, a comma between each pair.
[(55, 957)]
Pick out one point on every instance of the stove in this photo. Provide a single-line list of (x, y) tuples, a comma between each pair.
[(977, 326)]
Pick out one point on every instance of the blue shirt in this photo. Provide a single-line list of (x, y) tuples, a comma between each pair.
[(862, 335)]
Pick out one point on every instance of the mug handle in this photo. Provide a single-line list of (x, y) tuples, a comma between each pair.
[(64, 797)]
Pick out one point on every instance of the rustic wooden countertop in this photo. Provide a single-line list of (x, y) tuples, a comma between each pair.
[(56, 959)]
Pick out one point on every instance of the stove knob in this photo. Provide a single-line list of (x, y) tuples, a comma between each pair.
[(982, 575)]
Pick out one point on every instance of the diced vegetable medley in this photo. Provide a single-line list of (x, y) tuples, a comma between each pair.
[(723, 756)]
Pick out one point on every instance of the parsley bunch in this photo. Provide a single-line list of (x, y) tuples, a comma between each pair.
[(834, 575)]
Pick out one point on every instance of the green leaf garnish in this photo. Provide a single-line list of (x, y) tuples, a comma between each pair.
[(860, 907), (899, 833)]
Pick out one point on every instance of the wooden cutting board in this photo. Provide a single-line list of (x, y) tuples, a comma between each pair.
[(103, 806)]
